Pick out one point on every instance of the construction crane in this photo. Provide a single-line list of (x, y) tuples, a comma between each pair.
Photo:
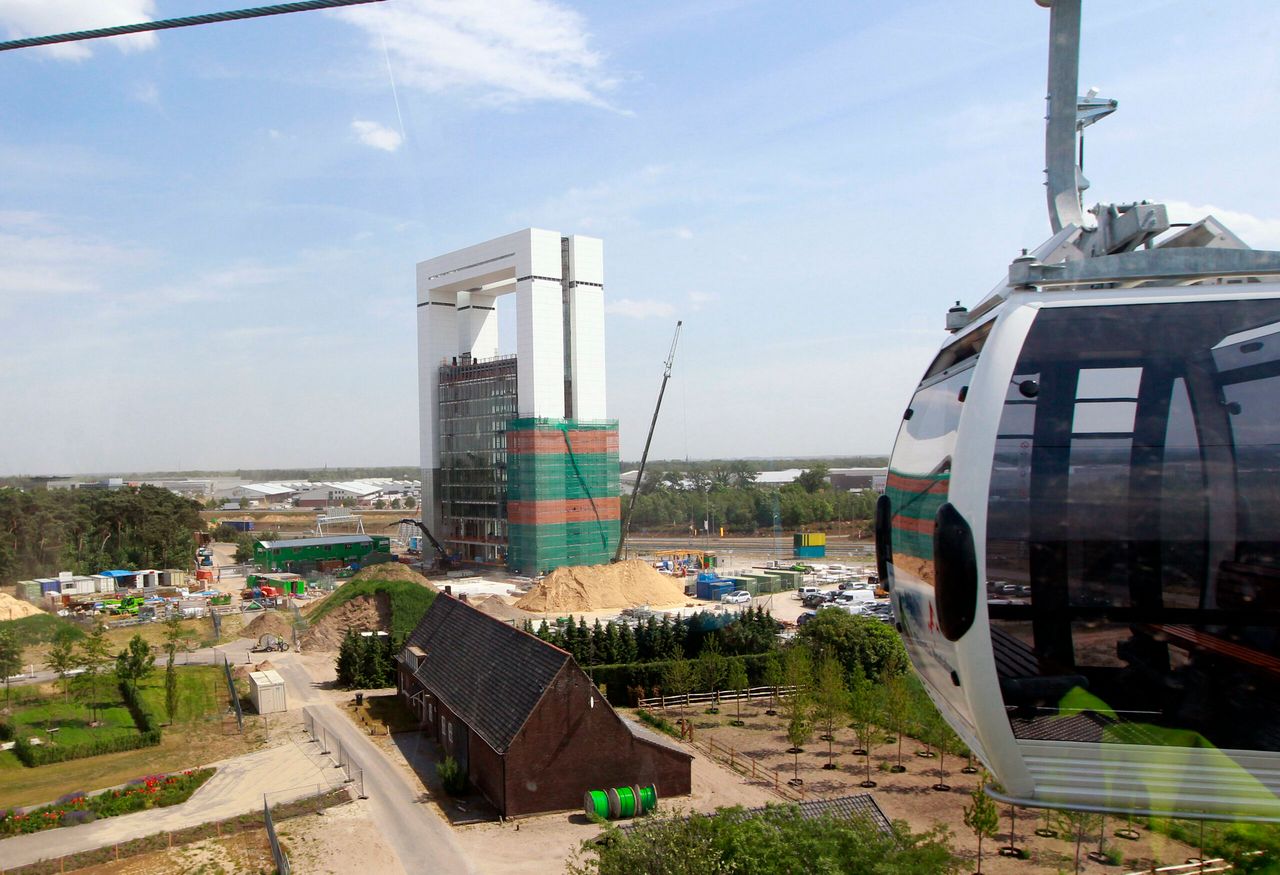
[(644, 457), (443, 560)]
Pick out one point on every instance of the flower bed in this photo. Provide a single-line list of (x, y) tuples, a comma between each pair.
[(155, 791)]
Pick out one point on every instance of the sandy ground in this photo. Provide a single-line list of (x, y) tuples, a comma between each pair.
[(247, 852), (910, 797), (338, 841)]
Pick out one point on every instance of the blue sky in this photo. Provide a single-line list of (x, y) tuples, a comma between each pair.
[(208, 236)]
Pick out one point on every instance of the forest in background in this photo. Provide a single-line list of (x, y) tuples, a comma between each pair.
[(89, 530)]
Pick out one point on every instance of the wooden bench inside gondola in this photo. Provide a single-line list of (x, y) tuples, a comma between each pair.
[(1022, 684)]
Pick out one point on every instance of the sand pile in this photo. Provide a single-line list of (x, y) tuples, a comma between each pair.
[(363, 613), (15, 609), (496, 606), (270, 623), (601, 587), (393, 571)]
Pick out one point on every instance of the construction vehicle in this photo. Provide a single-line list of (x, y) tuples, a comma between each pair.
[(644, 457), (444, 562)]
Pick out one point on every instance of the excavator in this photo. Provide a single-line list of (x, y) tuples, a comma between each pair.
[(444, 562)]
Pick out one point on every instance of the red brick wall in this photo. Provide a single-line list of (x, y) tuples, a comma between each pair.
[(570, 746)]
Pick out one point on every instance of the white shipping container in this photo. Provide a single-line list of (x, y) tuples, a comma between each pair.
[(266, 691), (103, 583)]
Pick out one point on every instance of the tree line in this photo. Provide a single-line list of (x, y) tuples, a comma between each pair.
[(751, 631), (88, 530), (727, 495)]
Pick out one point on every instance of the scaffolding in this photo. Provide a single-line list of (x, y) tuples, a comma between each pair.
[(563, 505)]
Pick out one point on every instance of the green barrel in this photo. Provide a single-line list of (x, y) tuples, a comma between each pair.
[(615, 804), (596, 802), (648, 798)]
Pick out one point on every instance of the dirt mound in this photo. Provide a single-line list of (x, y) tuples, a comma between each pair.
[(270, 623), (496, 606), (393, 571), (363, 613), (15, 609), (600, 587)]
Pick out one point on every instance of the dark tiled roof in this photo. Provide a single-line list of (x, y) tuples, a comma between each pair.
[(491, 675), (862, 805)]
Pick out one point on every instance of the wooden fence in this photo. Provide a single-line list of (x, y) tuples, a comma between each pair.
[(749, 767), (716, 697)]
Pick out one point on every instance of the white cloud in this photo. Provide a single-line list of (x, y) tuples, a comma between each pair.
[(27, 18), (506, 50), (1254, 230), (645, 308), (376, 135), (37, 258), (697, 300), (146, 92)]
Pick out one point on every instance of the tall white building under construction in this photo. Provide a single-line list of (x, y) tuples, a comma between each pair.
[(520, 465)]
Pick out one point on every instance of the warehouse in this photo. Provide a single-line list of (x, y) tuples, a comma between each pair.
[(291, 555), (529, 728)]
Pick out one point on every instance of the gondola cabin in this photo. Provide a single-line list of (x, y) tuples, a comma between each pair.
[(1081, 527)]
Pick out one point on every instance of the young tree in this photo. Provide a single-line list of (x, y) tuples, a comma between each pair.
[(896, 698), (982, 817), (95, 650), (710, 671), (831, 702), (175, 637), (862, 711), (737, 681), (772, 679), (797, 706), (135, 663), (677, 679), (10, 658), (63, 658)]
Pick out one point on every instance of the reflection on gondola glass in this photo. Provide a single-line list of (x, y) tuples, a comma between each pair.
[(1133, 533)]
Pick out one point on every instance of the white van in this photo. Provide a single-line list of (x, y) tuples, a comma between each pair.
[(806, 590)]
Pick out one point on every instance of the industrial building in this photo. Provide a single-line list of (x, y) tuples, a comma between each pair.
[(293, 555), (528, 727), (520, 463)]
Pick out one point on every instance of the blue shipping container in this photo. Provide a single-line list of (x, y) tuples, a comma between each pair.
[(48, 585)]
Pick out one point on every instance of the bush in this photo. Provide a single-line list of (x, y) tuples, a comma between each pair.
[(6, 732), (451, 776), (662, 724), (45, 754)]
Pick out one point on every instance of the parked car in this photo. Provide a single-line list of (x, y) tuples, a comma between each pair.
[(805, 617), (737, 597), (806, 591)]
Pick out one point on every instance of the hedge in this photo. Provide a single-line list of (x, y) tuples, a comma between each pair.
[(148, 736), (624, 683)]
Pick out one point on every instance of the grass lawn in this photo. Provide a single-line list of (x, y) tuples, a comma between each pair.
[(199, 736)]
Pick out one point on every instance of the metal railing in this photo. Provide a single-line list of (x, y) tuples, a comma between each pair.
[(331, 746), (235, 696), (277, 852), (1192, 867)]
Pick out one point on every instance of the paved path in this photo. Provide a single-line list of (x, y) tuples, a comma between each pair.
[(422, 840), (285, 772)]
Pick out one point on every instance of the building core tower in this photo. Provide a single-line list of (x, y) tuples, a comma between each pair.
[(519, 463)]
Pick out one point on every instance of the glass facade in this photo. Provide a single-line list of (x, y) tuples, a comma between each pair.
[(1133, 531), (477, 400)]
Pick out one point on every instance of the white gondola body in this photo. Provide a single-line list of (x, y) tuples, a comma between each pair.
[(1124, 514)]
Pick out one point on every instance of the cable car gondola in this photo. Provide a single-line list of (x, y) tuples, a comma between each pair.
[(1081, 527)]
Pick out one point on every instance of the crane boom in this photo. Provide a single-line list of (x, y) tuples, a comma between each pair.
[(644, 457)]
